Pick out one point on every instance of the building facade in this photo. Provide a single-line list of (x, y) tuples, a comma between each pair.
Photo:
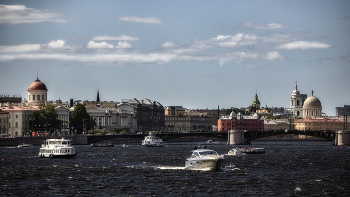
[(342, 111), (180, 119), (317, 124)]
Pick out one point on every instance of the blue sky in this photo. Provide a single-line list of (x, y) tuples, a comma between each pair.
[(198, 54)]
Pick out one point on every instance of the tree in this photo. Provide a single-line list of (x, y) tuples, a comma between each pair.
[(81, 119), (45, 119)]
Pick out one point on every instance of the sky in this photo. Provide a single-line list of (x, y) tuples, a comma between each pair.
[(198, 54)]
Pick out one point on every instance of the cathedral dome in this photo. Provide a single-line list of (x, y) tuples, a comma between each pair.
[(37, 85), (312, 102)]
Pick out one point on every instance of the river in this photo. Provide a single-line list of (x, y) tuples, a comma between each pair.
[(291, 168)]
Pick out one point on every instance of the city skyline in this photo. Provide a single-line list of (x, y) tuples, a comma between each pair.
[(197, 54)]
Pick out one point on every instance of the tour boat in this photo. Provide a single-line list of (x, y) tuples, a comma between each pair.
[(25, 146), (240, 151), (57, 148), (152, 140), (204, 159)]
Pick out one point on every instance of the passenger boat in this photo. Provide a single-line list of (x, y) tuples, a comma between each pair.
[(204, 159), (57, 148), (152, 140), (239, 151), (102, 145), (25, 146)]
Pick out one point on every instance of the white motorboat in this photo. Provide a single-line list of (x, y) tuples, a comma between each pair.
[(152, 141), (25, 146), (57, 148), (240, 151), (204, 159)]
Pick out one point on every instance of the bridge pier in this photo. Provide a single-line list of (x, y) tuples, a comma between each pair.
[(342, 138), (235, 137)]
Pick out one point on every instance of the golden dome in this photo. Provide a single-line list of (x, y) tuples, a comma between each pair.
[(312, 102)]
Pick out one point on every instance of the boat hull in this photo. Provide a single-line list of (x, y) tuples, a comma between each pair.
[(203, 163), (52, 155)]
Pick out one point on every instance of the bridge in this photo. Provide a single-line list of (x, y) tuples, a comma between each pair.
[(248, 135)]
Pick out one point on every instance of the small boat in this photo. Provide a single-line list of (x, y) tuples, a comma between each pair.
[(57, 148), (152, 140), (204, 159), (25, 146), (102, 145), (240, 151), (210, 141)]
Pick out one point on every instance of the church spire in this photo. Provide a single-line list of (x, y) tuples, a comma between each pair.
[(296, 85), (98, 96)]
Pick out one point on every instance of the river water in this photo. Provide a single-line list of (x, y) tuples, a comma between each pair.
[(290, 168)]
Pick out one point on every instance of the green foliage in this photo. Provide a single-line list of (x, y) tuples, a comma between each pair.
[(44, 119), (80, 119), (273, 117), (122, 130), (96, 131)]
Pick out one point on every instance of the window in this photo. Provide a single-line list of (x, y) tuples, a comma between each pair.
[(9, 124), (292, 103), (16, 116), (42, 97), (38, 97), (16, 124), (298, 103), (33, 97)]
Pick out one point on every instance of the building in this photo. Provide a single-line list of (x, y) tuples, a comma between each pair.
[(238, 121), (227, 123), (313, 124), (312, 107), (180, 119), (4, 117), (296, 103), (270, 125), (342, 111), (149, 114), (19, 113)]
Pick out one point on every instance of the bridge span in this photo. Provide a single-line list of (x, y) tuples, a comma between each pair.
[(248, 135)]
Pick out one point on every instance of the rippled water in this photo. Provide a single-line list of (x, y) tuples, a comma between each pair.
[(287, 169)]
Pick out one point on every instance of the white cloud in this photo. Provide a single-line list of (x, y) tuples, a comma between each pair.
[(123, 45), (99, 45), (303, 45), (122, 37), (274, 56), (20, 48), (20, 14), (59, 44), (151, 20), (258, 26), (168, 45)]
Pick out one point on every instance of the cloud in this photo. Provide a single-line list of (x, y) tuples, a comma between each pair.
[(20, 48), (167, 45), (268, 26), (20, 14), (123, 45), (150, 20), (99, 45), (303, 45), (274, 56), (122, 37)]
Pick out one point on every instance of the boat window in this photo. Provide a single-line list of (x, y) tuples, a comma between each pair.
[(64, 142), (52, 142), (195, 153), (58, 142), (208, 153)]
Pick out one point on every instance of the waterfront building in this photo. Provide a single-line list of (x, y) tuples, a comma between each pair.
[(149, 114), (4, 117), (239, 121), (19, 113), (312, 124), (181, 119), (227, 123), (270, 125)]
